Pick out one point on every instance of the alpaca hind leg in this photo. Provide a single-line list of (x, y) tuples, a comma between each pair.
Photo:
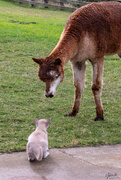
[(97, 79)]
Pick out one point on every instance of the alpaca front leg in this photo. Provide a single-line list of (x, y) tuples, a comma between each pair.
[(79, 83), (97, 79)]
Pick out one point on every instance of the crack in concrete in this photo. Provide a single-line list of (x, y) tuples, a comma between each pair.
[(72, 156)]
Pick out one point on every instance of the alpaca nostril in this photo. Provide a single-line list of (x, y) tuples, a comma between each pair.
[(49, 95)]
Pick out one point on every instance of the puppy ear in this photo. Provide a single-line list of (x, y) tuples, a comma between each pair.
[(58, 61), (38, 60), (36, 121), (47, 122)]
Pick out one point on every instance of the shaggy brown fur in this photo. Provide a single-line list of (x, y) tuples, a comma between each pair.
[(91, 32)]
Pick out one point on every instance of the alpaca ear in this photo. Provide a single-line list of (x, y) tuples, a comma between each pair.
[(58, 61), (38, 60), (36, 121)]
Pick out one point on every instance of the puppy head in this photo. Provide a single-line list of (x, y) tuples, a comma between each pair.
[(42, 123)]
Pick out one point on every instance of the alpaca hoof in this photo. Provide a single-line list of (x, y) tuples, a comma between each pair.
[(69, 115), (98, 119)]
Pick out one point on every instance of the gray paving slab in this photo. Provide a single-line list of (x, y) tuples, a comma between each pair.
[(83, 163)]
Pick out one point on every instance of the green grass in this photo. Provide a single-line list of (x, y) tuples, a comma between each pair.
[(22, 93)]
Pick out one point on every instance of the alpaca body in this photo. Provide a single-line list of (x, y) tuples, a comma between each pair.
[(91, 32)]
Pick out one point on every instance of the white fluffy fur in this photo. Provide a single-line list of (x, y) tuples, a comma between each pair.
[(37, 146)]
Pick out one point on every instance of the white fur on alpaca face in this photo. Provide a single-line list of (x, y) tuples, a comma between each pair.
[(37, 146), (53, 87)]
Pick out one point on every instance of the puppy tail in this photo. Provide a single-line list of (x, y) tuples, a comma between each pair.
[(39, 154), (29, 152)]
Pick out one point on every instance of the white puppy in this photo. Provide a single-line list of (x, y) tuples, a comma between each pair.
[(37, 146)]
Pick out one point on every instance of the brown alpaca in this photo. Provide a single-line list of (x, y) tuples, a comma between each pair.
[(90, 33)]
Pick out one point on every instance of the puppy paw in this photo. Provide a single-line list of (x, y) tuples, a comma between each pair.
[(46, 154)]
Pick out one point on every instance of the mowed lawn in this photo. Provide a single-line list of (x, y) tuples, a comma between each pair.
[(25, 33)]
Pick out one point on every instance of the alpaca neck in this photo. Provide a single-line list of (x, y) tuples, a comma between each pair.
[(65, 49)]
